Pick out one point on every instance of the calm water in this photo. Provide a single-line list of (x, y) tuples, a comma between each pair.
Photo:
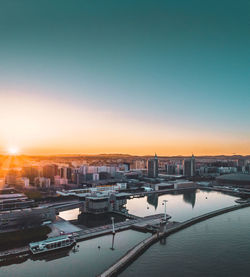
[(182, 206), (88, 261), (217, 247)]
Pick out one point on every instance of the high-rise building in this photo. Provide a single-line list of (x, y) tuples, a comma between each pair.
[(170, 169), (153, 167), (30, 172), (189, 167), (49, 171)]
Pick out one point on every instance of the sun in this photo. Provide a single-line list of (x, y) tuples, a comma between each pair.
[(13, 150)]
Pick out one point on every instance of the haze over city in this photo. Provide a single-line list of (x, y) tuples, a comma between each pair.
[(125, 77)]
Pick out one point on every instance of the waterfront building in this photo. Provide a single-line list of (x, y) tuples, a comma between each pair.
[(102, 203), (10, 199), (100, 199), (236, 179), (17, 211), (189, 167), (25, 218), (153, 167)]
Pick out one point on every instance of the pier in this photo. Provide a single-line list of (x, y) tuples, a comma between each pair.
[(147, 224)]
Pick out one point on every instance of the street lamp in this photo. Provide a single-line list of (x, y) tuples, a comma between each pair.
[(165, 209), (113, 231), (113, 225)]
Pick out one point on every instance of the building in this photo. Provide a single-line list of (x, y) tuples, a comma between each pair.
[(30, 172), (18, 212), (162, 186), (103, 203), (139, 164), (11, 177), (49, 171), (153, 167), (189, 167), (25, 218), (23, 182), (58, 181), (2, 182), (10, 199), (237, 179), (95, 177), (42, 182), (170, 169)]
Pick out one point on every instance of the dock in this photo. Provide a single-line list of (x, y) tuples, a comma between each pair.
[(148, 224)]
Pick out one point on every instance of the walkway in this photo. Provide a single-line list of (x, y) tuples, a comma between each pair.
[(145, 223)]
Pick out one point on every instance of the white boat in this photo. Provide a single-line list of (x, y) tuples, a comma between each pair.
[(52, 244)]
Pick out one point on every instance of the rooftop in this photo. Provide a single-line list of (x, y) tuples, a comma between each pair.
[(235, 177)]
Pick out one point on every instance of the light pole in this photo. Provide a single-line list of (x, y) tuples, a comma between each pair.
[(113, 225), (165, 209)]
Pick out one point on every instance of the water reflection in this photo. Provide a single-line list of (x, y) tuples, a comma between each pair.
[(96, 220), (88, 260), (189, 197), (180, 206), (50, 256), (113, 242), (152, 199)]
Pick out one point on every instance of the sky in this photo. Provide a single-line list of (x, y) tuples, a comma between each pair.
[(135, 77)]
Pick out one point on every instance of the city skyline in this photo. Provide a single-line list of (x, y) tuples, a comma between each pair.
[(130, 78)]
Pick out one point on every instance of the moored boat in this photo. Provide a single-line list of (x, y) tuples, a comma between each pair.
[(52, 244)]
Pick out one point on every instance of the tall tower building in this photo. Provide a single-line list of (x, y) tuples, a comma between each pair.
[(189, 167), (153, 167)]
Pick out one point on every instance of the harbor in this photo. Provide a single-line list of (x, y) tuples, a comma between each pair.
[(143, 222)]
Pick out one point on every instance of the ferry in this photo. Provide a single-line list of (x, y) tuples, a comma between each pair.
[(52, 244)]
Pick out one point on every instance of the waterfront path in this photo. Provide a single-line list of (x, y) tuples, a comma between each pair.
[(133, 253), (143, 223)]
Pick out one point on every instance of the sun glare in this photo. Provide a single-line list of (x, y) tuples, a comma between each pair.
[(13, 151)]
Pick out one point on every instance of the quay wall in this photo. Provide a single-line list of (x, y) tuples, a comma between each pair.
[(140, 248)]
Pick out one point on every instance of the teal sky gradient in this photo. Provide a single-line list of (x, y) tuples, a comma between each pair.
[(179, 63)]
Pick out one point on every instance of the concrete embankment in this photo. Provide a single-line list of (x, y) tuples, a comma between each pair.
[(14, 252), (136, 251)]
